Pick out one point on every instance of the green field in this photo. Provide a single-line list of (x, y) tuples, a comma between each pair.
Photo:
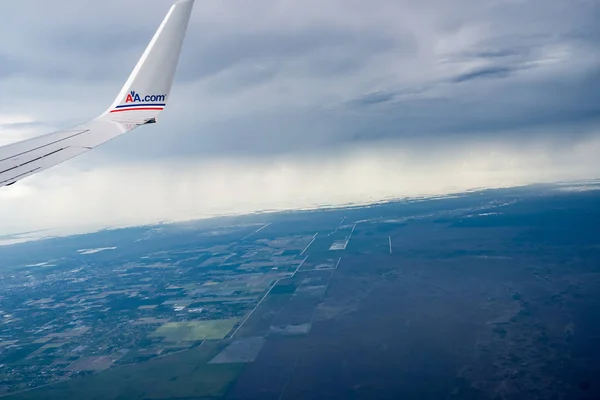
[(191, 331), (182, 375)]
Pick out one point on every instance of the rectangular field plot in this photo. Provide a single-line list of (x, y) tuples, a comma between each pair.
[(240, 351), (191, 331)]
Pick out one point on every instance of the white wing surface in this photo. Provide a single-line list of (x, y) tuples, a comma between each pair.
[(142, 98)]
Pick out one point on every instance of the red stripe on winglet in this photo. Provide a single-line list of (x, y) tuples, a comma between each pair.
[(136, 109)]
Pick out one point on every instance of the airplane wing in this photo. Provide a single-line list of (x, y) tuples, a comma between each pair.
[(142, 98)]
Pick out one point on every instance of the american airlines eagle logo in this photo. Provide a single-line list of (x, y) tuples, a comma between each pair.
[(133, 97)]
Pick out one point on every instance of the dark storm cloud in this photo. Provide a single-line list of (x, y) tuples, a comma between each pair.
[(493, 53), (373, 98), (489, 72), (281, 104), (273, 77)]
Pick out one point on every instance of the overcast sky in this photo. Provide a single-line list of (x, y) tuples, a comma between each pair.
[(291, 104)]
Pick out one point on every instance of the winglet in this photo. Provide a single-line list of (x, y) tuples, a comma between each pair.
[(147, 89)]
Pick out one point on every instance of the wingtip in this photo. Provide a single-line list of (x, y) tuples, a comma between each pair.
[(149, 84), (183, 4)]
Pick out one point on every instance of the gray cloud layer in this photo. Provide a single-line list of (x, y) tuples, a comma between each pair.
[(268, 78)]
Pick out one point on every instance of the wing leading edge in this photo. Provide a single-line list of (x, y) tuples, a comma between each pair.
[(142, 98)]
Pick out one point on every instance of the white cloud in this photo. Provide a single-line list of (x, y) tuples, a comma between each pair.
[(71, 199), (471, 93)]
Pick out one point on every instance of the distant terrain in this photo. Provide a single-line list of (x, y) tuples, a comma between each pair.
[(485, 295)]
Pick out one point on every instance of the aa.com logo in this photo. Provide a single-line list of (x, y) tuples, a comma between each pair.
[(133, 97)]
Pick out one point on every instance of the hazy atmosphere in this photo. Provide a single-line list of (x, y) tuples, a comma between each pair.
[(281, 104), (386, 199)]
